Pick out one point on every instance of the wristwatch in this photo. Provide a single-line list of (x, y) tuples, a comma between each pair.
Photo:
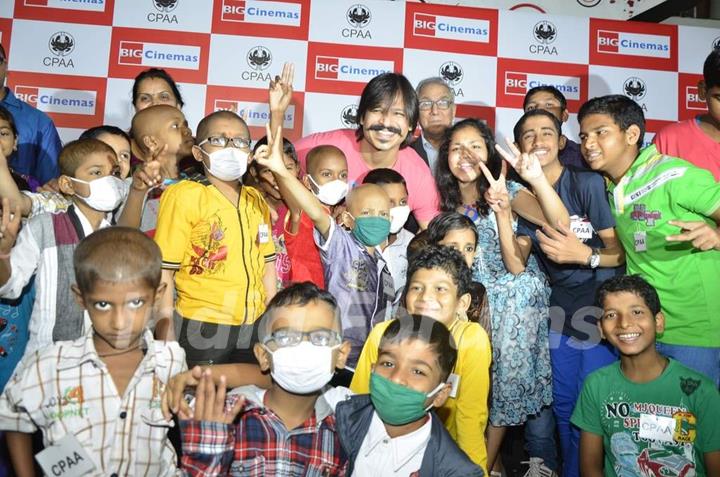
[(594, 259)]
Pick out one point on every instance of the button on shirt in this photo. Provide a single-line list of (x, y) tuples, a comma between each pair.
[(67, 389), (382, 456)]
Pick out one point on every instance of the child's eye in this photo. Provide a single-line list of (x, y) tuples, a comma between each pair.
[(470, 248), (325, 174), (135, 304), (386, 364), (414, 288), (418, 371), (637, 312), (384, 213), (344, 176), (441, 289), (101, 305), (609, 316)]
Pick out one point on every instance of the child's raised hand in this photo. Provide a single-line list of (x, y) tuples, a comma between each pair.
[(526, 165), (281, 90), (700, 234), (173, 401), (497, 195), (149, 174), (210, 403), (271, 155), (9, 227)]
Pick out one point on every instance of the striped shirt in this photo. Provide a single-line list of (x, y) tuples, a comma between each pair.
[(219, 250), (67, 389)]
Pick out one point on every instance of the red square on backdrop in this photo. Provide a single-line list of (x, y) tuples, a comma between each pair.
[(689, 102)]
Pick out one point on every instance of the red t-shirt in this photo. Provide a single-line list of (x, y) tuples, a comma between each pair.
[(687, 141), (304, 255)]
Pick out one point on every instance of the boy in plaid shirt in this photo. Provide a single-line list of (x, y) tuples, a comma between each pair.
[(97, 399), (286, 430)]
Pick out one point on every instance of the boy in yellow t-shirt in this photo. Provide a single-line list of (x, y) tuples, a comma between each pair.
[(217, 249), (438, 286)]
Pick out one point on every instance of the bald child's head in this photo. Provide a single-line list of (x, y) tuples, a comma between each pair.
[(156, 126)]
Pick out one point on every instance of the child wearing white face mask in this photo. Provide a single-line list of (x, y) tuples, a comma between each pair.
[(46, 243), (394, 251), (288, 429), (217, 249)]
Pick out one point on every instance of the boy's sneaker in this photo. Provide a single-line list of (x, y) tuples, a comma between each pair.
[(537, 468)]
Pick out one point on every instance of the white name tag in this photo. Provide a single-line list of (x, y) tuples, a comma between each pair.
[(454, 380), (581, 227), (639, 238), (66, 458), (657, 428), (263, 233)]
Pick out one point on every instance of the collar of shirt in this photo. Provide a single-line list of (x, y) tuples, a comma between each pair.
[(403, 448), (87, 227), (11, 100), (83, 350), (255, 401), (428, 145), (402, 240)]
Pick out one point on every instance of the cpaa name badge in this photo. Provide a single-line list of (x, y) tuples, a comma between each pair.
[(66, 458)]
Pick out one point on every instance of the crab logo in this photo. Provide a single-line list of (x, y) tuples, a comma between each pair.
[(259, 58), (635, 88), (716, 43), (451, 72), (165, 5), (589, 3), (545, 32), (358, 16), (348, 117), (61, 43)]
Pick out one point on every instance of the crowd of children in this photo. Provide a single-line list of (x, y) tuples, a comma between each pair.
[(216, 304)]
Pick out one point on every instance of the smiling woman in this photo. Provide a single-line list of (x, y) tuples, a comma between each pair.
[(155, 86)]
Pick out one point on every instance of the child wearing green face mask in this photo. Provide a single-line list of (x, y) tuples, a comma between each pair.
[(355, 272), (390, 429)]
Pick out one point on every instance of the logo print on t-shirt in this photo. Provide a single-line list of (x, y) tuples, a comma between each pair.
[(641, 213), (689, 385)]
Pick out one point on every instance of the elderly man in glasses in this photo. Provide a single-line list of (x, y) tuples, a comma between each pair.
[(437, 113)]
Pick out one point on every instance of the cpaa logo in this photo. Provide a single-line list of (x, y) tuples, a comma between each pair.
[(545, 32), (163, 7), (634, 88), (349, 116), (358, 17), (61, 44), (589, 3), (258, 59), (452, 73)]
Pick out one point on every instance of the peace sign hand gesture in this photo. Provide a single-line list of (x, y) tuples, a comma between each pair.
[(526, 165), (497, 195), (281, 90), (271, 155)]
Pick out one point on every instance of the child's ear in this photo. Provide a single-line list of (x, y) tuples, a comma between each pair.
[(632, 133), (263, 357), (442, 396), (564, 116), (197, 153), (702, 90), (160, 291), (599, 325), (78, 296), (342, 354), (150, 143), (463, 304), (347, 220), (659, 323), (66, 185), (306, 182)]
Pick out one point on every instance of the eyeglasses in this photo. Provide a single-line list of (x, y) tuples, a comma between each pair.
[(426, 105), (288, 337), (222, 141)]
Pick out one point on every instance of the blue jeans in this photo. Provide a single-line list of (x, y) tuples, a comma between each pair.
[(540, 438), (572, 360), (702, 360)]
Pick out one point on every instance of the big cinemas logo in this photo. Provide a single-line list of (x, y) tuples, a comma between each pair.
[(518, 84), (690, 104), (86, 5), (135, 50), (347, 72), (620, 44), (286, 19), (250, 104), (55, 100), (516, 77), (95, 12), (444, 28)]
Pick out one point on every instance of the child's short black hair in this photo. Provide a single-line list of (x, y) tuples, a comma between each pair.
[(446, 222), (624, 112), (434, 333), (381, 91), (288, 148), (384, 176), (96, 131), (117, 254), (546, 89), (518, 129), (446, 259), (711, 69), (73, 154), (632, 284), (299, 294), (7, 116)]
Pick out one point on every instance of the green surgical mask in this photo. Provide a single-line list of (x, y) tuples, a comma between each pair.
[(372, 230), (396, 404)]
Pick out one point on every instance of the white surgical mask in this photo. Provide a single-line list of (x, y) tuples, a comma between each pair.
[(106, 193), (398, 216), (330, 193), (302, 369), (228, 164)]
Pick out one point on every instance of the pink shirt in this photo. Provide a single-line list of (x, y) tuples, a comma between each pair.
[(687, 141), (423, 197)]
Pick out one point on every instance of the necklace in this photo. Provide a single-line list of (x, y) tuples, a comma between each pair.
[(118, 353)]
